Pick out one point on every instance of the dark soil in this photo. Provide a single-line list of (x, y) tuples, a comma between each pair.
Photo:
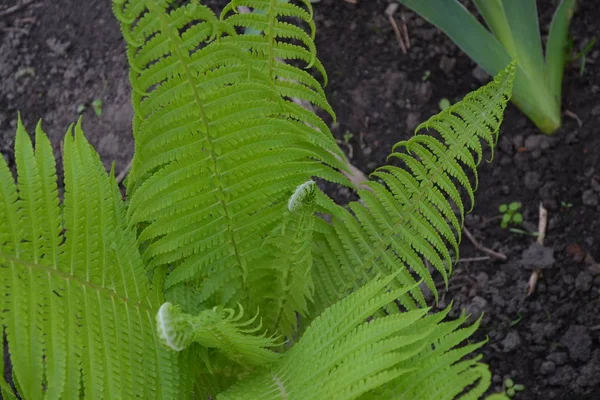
[(59, 54)]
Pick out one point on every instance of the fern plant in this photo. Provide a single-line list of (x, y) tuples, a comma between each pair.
[(227, 273)]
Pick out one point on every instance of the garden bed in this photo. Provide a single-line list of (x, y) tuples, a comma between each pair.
[(59, 56)]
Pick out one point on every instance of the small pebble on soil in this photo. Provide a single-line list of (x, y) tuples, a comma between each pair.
[(589, 198)]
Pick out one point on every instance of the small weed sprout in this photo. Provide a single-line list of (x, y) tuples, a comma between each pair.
[(97, 106), (512, 388), (444, 103), (510, 214)]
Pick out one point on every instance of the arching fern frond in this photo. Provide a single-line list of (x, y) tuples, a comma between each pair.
[(78, 308), (219, 145), (343, 355), (405, 220)]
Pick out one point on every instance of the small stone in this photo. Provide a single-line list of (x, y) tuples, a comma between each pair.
[(505, 190), (589, 198), (555, 289), (503, 160), (521, 161), (424, 91), (584, 281), (532, 180), (447, 64), (596, 110), (58, 47), (558, 358), (542, 332), (596, 184), (537, 256), (412, 120), (535, 154), (589, 241), (506, 145), (579, 343), (547, 368), (511, 342), (554, 222), (572, 137), (568, 280), (537, 143), (562, 376), (480, 75), (589, 375), (541, 287), (472, 219), (589, 172), (482, 281), (476, 308), (518, 141)]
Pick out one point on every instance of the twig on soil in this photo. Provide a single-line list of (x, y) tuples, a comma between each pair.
[(14, 29), (15, 8), (348, 146), (542, 226), (571, 114), (404, 26), (389, 11), (123, 174), (481, 247), (473, 259)]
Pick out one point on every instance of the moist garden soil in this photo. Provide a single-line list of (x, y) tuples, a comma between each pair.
[(58, 56)]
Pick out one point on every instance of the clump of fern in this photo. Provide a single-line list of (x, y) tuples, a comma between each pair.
[(227, 272)]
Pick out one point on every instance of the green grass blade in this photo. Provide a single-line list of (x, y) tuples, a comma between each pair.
[(493, 13), (532, 93), (522, 19), (556, 53), (463, 28)]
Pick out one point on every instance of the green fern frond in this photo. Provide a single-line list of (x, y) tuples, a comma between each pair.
[(344, 355), (79, 313), (404, 221), (219, 145)]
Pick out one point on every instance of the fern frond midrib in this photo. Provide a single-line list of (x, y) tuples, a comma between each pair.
[(176, 40), (383, 244)]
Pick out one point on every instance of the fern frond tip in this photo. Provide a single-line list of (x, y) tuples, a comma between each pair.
[(166, 326), (304, 193)]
